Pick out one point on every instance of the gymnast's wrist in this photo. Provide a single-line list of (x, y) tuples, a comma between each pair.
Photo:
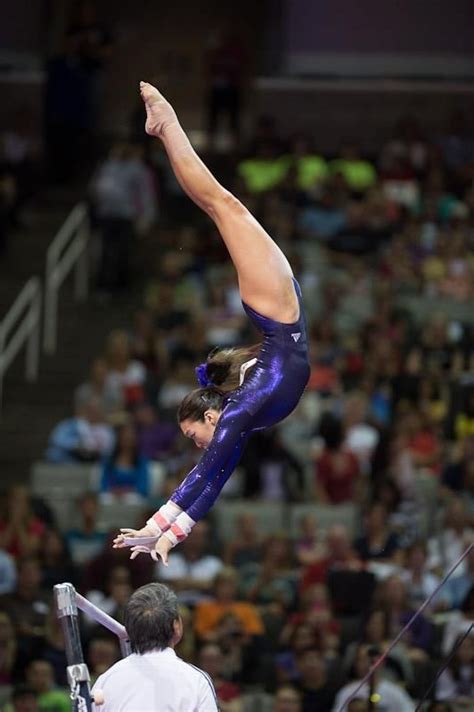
[(162, 520), (180, 529)]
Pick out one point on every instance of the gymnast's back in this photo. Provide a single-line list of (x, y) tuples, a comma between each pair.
[(276, 382)]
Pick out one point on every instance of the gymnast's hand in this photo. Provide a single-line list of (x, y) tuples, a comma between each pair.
[(160, 549), (119, 541)]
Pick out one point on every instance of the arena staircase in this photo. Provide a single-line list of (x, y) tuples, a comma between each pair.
[(30, 410)]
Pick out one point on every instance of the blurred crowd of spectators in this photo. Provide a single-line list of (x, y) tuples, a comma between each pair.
[(386, 423)]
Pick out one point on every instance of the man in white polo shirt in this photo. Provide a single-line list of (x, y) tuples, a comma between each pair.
[(154, 678)]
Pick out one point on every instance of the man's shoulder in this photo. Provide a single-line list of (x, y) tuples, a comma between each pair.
[(197, 673)]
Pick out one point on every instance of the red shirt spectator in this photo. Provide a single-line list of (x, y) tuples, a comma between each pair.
[(340, 556), (337, 472)]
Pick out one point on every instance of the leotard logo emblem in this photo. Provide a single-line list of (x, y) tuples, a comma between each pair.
[(296, 336)]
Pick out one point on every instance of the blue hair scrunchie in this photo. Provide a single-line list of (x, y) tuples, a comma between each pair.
[(201, 375)]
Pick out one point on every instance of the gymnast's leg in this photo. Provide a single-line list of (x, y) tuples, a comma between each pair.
[(264, 274)]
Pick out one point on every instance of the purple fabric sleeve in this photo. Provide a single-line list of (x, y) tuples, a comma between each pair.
[(198, 491)]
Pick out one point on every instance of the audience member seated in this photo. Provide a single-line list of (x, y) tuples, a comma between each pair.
[(96, 386), (20, 530), (394, 600), (309, 545), (126, 377), (378, 543), (228, 693), (157, 438), (420, 582), (40, 676), (97, 571), (87, 540), (125, 474), (318, 693), (296, 636), (423, 442), (102, 653), (322, 218), (264, 171), (28, 608), (7, 572), (271, 471), (459, 622), (454, 537), (337, 469), (53, 649), (86, 437), (208, 613), (456, 682), (117, 591), (358, 173), (392, 696), (245, 546), (454, 592), (287, 699), (191, 571), (145, 345), (177, 383), (340, 556), (272, 582), (55, 559), (311, 626), (375, 633), (23, 699), (361, 438)]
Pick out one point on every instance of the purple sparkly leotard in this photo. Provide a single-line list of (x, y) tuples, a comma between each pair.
[(269, 393)]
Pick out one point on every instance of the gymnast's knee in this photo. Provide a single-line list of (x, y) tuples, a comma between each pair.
[(225, 205)]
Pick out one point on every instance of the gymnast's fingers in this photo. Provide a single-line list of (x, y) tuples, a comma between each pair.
[(137, 550)]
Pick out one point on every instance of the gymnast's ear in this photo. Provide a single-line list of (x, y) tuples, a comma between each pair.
[(177, 631), (211, 416)]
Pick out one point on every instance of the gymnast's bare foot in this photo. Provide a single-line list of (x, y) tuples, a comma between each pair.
[(159, 112)]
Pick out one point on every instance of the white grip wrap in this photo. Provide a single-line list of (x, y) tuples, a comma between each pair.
[(180, 529), (162, 520)]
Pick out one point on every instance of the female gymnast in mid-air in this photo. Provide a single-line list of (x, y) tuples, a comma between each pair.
[(242, 390)]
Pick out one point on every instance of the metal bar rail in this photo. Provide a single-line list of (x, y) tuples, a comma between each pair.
[(68, 601), (68, 250), (27, 331)]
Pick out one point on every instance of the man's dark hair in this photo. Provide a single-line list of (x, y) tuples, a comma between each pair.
[(150, 614)]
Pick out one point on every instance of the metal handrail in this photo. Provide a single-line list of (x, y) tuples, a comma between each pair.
[(68, 250), (27, 331)]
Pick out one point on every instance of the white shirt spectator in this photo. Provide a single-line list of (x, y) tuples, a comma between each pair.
[(419, 591), (96, 437), (447, 547), (117, 381), (362, 439), (155, 682), (392, 697)]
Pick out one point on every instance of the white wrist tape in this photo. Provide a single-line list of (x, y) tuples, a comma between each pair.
[(162, 519), (180, 529)]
